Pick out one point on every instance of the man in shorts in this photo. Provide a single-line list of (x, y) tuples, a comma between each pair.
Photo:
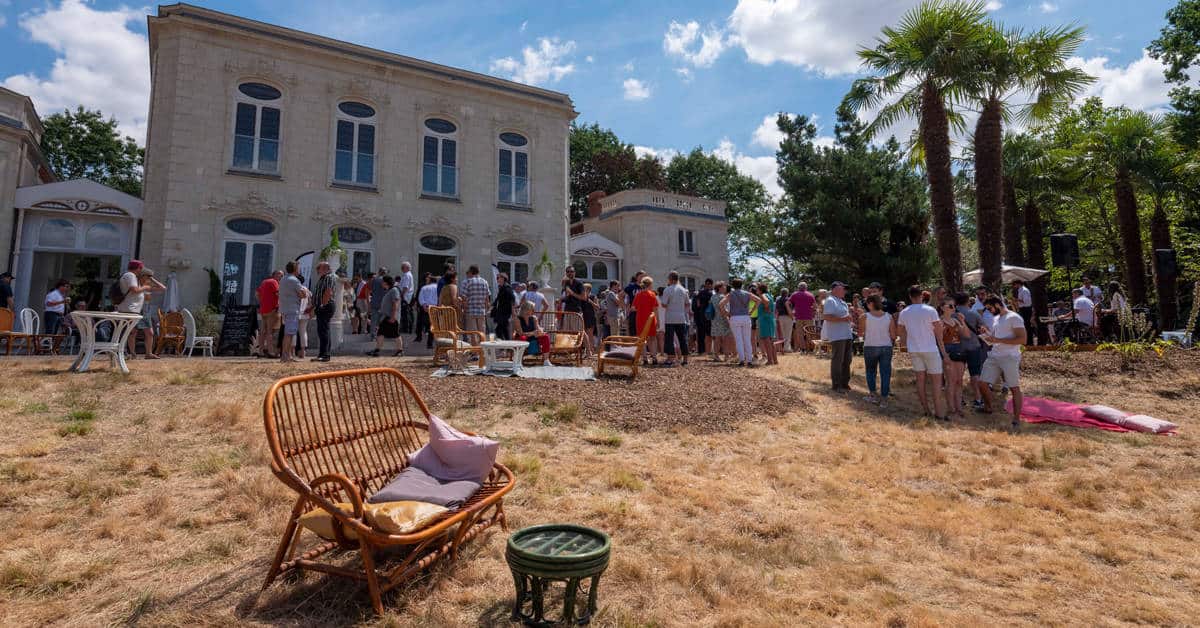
[(1004, 360), (268, 308), (291, 292), (921, 334)]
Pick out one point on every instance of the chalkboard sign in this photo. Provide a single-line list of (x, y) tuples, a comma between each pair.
[(237, 330)]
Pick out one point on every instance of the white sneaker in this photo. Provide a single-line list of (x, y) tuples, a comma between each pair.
[(870, 399)]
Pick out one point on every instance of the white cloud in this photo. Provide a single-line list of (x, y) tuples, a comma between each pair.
[(1048, 7), (768, 134), (635, 89), (760, 168), (663, 154), (681, 40), (1139, 85), (524, 25), (545, 63), (101, 63), (820, 35), (628, 67), (685, 74), (589, 58), (993, 5)]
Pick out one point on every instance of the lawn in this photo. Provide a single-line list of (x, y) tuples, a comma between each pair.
[(733, 497)]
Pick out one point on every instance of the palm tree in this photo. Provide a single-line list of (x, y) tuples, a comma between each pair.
[(1119, 146), (921, 66), (1163, 170), (1013, 65)]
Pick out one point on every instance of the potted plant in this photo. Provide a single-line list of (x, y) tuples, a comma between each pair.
[(544, 268), (333, 252)]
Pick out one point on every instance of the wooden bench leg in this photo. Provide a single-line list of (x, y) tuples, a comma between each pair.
[(368, 558), (285, 546)]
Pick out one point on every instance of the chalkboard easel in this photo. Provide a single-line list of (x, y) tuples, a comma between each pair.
[(237, 329)]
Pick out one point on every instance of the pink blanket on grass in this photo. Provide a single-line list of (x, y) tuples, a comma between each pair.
[(1038, 410)]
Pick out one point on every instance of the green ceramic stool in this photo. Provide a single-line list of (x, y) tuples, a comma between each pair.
[(564, 552)]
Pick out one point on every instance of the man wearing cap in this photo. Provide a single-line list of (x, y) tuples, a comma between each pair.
[(837, 332), (6, 291)]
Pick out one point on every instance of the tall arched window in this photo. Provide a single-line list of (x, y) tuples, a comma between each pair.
[(439, 158), (513, 183), (249, 252), (354, 144), (256, 128)]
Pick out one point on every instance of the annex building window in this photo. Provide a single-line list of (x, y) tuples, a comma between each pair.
[(439, 158), (687, 242), (248, 254), (256, 128), (514, 169), (354, 144)]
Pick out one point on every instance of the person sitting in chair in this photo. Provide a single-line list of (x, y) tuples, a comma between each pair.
[(531, 330)]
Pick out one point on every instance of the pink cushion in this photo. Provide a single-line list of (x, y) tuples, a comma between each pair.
[(1143, 423), (451, 456), (1105, 413)]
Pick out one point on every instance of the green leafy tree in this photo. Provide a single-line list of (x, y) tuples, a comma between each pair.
[(600, 161), (1011, 65), (923, 66), (1178, 46), (81, 144), (855, 212)]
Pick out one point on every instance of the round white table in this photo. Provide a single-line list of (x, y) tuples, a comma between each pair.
[(514, 347), (86, 322)]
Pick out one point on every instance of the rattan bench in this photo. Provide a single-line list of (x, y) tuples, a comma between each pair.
[(340, 437)]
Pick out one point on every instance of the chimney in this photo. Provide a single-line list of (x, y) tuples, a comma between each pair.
[(593, 200)]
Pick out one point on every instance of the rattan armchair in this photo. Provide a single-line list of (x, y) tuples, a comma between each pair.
[(10, 337), (172, 331), (447, 336), (627, 350), (342, 436)]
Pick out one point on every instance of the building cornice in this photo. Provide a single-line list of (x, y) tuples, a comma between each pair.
[(233, 23), (659, 210)]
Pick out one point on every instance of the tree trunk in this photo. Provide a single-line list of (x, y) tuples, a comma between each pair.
[(1131, 237), (1164, 286), (989, 190), (935, 135), (1037, 259), (1014, 254)]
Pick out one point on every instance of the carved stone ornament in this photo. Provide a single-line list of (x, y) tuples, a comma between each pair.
[(439, 223), (352, 214), (595, 251), (252, 203), (250, 67), (82, 206), (509, 231)]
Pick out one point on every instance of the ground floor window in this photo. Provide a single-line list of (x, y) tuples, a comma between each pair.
[(689, 282), (245, 265), (512, 259)]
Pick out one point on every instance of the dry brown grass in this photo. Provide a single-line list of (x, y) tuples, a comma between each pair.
[(164, 513)]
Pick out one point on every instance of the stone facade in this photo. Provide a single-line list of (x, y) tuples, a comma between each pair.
[(21, 164), (199, 58), (654, 231)]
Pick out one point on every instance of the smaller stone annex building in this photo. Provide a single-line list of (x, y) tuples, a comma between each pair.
[(652, 231)]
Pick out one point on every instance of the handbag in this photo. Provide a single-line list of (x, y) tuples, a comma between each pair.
[(956, 353)]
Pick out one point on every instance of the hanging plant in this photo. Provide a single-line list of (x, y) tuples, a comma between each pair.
[(334, 248)]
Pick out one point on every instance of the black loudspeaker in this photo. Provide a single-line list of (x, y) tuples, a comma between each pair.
[(1164, 262), (1064, 250)]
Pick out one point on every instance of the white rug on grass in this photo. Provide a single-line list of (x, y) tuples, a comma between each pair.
[(581, 373)]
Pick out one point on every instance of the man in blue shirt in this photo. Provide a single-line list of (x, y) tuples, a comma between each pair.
[(839, 336), (631, 290)]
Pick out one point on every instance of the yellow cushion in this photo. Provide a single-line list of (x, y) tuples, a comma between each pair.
[(565, 341), (389, 517), (402, 517)]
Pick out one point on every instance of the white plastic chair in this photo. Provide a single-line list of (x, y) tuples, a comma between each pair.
[(31, 323), (191, 340)]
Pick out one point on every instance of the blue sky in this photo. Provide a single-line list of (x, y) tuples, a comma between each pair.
[(665, 75)]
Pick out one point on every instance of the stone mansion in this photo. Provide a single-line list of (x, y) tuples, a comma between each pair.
[(262, 140)]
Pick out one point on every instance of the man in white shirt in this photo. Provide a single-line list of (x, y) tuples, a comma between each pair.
[(921, 333), (1004, 360), (1093, 293), (427, 297), (405, 283), (1084, 307), (676, 301), (837, 331), (533, 296), (291, 292), (1024, 306), (55, 307)]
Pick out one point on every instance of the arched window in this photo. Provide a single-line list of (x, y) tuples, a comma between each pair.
[(104, 236), (358, 245), (249, 251), (581, 269), (256, 128), (354, 144), (512, 258), (599, 271), (57, 232), (438, 243), (439, 158), (513, 185)]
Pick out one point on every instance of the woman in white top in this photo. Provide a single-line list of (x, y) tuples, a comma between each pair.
[(302, 330), (879, 333), (1110, 319)]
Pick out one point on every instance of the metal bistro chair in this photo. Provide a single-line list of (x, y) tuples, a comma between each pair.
[(192, 341)]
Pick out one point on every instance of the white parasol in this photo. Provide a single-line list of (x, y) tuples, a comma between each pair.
[(1008, 274), (171, 298)]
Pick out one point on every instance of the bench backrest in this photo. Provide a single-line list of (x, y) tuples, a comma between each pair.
[(6, 319), (171, 324), (362, 423), (443, 319)]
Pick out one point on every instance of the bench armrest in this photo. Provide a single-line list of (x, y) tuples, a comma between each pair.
[(626, 339), (354, 520)]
